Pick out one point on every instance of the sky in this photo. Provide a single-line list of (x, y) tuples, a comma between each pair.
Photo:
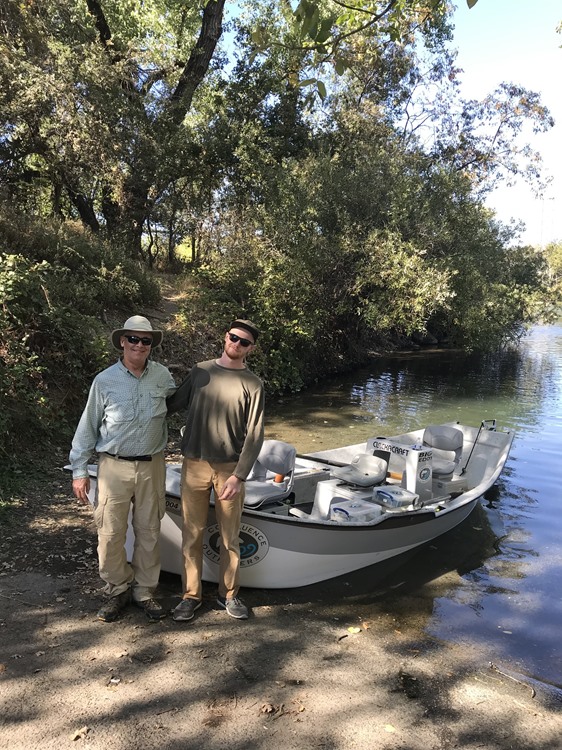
[(516, 41)]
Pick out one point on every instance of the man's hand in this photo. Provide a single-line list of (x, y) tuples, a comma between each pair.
[(231, 488), (81, 487)]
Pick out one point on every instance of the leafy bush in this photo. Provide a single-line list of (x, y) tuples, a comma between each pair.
[(56, 283)]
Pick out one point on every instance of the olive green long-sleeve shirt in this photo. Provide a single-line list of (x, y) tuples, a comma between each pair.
[(225, 412)]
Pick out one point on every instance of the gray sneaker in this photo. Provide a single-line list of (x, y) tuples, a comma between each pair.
[(111, 609), (186, 610), (235, 607)]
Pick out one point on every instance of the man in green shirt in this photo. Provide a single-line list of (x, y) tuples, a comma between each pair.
[(222, 438)]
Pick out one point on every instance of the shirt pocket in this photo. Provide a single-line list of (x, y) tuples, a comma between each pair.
[(158, 402), (119, 409)]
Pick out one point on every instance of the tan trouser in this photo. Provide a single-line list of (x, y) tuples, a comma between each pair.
[(198, 478), (122, 486)]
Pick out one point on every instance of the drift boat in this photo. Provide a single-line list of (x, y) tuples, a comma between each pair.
[(309, 518)]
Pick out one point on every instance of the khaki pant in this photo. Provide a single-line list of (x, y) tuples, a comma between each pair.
[(139, 487), (198, 478)]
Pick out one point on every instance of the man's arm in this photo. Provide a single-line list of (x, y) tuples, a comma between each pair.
[(254, 436), (251, 448), (179, 400), (86, 434)]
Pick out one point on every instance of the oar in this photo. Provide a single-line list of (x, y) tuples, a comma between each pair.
[(483, 425), (463, 471), (321, 460)]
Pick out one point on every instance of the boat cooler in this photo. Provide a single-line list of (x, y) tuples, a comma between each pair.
[(341, 502), (349, 511), (392, 497)]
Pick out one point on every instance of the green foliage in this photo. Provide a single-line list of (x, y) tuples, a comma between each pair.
[(319, 214), (55, 282), (396, 288), (553, 257)]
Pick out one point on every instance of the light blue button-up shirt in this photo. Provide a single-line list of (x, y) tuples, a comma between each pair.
[(124, 415)]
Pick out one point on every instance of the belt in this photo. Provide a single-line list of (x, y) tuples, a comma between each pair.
[(130, 458)]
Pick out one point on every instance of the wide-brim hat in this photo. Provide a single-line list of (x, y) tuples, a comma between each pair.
[(247, 325), (136, 324)]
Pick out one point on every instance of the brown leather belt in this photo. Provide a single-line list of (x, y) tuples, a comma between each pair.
[(130, 458)]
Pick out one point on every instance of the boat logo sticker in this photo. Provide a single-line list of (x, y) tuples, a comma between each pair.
[(254, 545)]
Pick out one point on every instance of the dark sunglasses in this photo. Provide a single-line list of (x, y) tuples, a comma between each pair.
[(145, 341), (243, 342)]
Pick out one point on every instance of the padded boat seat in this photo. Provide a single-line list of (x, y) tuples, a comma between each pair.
[(276, 458), (363, 471), (446, 442)]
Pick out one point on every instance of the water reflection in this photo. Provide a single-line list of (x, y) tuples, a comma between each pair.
[(397, 393), (495, 580)]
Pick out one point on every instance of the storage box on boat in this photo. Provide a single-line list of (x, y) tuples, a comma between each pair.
[(449, 487), (348, 511), (394, 498)]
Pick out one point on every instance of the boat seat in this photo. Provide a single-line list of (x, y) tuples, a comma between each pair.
[(273, 474), (447, 443), (363, 471)]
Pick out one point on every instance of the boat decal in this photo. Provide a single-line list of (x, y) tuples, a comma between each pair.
[(390, 448), (254, 545), (173, 505)]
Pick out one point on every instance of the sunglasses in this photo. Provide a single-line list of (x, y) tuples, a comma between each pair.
[(235, 338), (145, 341)]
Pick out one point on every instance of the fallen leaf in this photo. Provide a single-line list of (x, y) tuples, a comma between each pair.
[(354, 630), (389, 728), (80, 733), (268, 708)]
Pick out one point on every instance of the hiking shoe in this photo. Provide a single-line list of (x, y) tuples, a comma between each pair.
[(235, 607), (186, 610), (152, 609), (111, 609)]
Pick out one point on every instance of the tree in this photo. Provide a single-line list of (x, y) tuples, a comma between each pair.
[(94, 95)]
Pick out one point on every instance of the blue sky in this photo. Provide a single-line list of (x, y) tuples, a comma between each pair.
[(516, 41)]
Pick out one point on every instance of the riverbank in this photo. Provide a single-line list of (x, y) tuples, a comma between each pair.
[(323, 667)]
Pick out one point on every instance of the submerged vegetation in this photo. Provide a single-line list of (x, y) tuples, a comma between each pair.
[(319, 173)]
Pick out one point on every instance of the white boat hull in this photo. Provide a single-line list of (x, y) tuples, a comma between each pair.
[(281, 550)]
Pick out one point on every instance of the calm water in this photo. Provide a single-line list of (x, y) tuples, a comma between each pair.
[(506, 591)]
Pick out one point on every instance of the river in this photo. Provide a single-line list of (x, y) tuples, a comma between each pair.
[(496, 580)]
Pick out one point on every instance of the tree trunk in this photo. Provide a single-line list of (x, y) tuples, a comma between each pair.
[(136, 205)]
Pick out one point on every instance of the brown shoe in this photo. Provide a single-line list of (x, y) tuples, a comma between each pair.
[(152, 609), (111, 609)]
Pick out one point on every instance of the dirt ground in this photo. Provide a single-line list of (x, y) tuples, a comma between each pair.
[(323, 667)]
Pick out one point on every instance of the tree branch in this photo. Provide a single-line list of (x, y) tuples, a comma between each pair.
[(200, 58), (101, 22)]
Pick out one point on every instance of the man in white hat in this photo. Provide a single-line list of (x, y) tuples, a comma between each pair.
[(125, 423)]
